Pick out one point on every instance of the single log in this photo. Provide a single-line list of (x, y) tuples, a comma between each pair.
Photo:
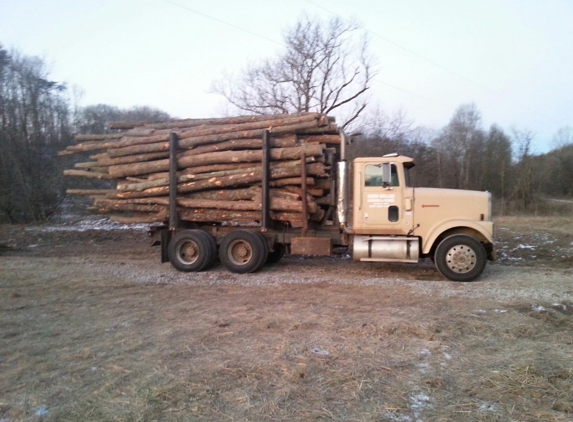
[(135, 169), (124, 142), (140, 184), (93, 167), (321, 139), (140, 131), (277, 204), (130, 159), (210, 121), (109, 205), (89, 174), (89, 192), (323, 184), (311, 191), (290, 181), (207, 215), (215, 167), (140, 218), (325, 200), (85, 147), (226, 194), (330, 129), (136, 140), (279, 193), (124, 125), (235, 144), (83, 138), (86, 165), (157, 200), (311, 204), (143, 148)]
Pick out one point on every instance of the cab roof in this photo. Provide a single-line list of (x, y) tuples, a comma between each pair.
[(389, 158)]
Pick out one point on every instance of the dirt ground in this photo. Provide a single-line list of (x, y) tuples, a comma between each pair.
[(95, 328)]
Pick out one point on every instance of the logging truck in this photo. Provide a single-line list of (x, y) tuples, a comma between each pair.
[(371, 208)]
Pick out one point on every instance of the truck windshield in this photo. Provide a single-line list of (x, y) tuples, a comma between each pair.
[(407, 176)]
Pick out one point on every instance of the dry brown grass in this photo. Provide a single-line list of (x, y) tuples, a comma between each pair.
[(87, 346)]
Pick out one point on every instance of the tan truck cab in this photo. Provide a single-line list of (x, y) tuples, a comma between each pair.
[(395, 222)]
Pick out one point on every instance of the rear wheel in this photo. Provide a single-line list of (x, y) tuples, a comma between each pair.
[(460, 258), (192, 250), (276, 254), (243, 251)]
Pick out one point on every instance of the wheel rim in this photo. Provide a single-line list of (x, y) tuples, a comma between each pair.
[(461, 259), (188, 252), (240, 252)]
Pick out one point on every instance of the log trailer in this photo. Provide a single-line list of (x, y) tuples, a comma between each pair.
[(373, 210)]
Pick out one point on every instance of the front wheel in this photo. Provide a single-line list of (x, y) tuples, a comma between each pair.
[(460, 258)]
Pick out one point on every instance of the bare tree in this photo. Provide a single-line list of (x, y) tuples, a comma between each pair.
[(381, 133), (563, 137), (459, 147), (322, 69), (523, 185)]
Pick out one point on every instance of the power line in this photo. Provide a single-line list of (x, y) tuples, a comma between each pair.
[(442, 67), (276, 42), (412, 52), (414, 94), (224, 22)]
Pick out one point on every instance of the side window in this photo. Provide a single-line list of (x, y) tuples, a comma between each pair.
[(373, 175)]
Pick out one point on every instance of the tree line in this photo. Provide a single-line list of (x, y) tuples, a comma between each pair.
[(323, 69), (38, 119), (465, 155)]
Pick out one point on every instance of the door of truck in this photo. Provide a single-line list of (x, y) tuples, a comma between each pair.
[(386, 201)]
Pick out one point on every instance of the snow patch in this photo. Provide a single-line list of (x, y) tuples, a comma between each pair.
[(488, 407), (84, 225), (522, 246), (419, 403), (41, 411)]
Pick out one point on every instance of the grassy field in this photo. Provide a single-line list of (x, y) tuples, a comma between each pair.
[(93, 328)]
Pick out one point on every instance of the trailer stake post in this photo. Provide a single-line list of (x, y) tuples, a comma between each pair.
[(173, 217), (266, 197), (304, 193)]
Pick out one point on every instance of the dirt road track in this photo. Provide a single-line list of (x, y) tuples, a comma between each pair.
[(93, 327)]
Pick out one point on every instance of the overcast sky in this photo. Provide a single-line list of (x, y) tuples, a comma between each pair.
[(512, 58)]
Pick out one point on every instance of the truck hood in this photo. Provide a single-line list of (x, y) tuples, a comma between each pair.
[(443, 204)]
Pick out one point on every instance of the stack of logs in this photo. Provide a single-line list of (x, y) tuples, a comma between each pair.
[(219, 168)]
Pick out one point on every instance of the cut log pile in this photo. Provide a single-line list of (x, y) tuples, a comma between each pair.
[(219, 168)]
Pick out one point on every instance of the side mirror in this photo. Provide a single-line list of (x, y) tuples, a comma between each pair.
[(386, 175)]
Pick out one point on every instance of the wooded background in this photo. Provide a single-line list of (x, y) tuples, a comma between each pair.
[(38, 118)]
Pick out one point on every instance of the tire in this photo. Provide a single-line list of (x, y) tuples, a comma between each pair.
[(243, 251), (276, 254), (460, 258), (192, 250), (265, 254)]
